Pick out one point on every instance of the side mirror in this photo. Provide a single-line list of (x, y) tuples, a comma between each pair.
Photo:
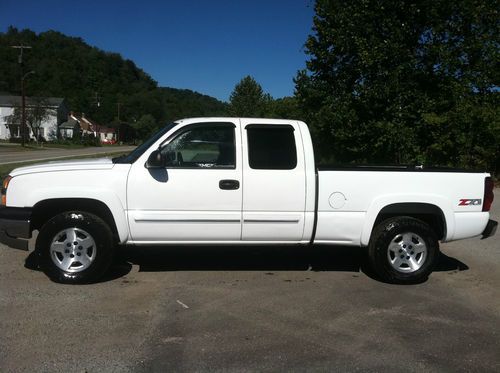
[(155, 160)]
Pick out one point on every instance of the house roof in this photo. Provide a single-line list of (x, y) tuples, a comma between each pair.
[(85, 124), (10, 101), (103, 129), (90, 125), (69, 124)]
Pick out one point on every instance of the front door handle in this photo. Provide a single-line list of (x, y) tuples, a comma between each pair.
[(229, 184)]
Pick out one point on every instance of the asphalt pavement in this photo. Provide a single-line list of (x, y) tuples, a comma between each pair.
[(8, 155), (254, 309)]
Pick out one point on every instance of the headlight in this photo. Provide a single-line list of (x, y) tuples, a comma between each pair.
[(3, 193)]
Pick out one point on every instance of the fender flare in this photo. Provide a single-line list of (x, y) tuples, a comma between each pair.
[(380, 202), (105, 196)]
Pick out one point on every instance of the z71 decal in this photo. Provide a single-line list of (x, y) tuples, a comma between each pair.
[(469, 202)]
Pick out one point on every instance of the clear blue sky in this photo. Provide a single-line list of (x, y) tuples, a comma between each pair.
[(206, 46)]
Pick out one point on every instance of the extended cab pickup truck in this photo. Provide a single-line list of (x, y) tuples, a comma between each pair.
[(234, 181)]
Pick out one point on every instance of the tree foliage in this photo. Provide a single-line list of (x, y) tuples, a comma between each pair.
[(284, 108), (182, 103), (248, 99), (404, 81), (145, 126)]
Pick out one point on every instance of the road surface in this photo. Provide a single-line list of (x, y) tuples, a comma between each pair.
[(8, 156), (254, 309)]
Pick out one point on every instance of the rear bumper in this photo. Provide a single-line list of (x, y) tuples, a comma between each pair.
[(490, 229), (15, 227)]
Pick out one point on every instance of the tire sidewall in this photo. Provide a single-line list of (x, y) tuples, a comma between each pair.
[(90, 223), (383, 236)]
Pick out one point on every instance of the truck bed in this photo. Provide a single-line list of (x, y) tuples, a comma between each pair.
[(351, 197)]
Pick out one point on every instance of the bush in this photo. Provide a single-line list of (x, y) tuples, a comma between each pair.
[(90, 140), (86, 140)]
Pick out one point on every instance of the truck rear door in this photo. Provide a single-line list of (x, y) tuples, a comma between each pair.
[(274, 181)]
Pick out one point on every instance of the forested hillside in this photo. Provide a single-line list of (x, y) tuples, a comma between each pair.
[(103, 85)]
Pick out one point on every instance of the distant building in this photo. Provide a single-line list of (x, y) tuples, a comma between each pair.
[(55, 112), (106, 135), (70, 128), (86, 127)]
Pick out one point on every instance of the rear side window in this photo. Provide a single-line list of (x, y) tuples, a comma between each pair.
[(271, 147)]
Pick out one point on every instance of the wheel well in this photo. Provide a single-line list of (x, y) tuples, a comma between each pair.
[(431, 214), (47, 209)]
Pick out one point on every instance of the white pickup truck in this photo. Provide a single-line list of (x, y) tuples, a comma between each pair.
[(238, 181)]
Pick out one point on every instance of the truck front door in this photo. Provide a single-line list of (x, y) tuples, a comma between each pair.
[(198, 196)]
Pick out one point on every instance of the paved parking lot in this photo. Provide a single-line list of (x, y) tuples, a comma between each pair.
[(247, 309)]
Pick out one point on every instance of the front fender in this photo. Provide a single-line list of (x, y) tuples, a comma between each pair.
[(30, 197)]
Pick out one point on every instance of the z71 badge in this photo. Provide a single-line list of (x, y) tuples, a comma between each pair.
[(469, 202)]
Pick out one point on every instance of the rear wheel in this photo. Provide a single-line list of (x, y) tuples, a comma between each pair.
[(75, 247), (403, 250)]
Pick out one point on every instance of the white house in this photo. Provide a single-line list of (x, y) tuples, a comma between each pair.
[(54, 108)]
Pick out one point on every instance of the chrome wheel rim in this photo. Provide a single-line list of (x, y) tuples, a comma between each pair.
[(407, 252), (73, 250)]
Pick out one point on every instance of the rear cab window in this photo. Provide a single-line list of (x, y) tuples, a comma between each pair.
[(271, 147)]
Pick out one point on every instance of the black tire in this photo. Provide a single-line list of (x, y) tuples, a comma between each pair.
[(387, 233), (86, 222)]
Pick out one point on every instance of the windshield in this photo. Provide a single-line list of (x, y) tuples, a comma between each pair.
[(137, 152)]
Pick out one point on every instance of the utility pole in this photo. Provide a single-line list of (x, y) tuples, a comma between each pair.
[(96, 99), (118, 105), (21, 48), (23, 113), (23, 99), (23, 106)]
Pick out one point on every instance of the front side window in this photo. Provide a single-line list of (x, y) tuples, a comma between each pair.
[(208, 145), (271, 147)]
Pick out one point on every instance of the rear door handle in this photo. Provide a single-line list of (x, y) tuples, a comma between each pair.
[(229, 184)]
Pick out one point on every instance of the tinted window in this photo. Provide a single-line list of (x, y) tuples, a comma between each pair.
[(202, 146), (271, 147)]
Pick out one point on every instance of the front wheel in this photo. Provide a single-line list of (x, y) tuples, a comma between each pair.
[(75, 247), (403, 250)]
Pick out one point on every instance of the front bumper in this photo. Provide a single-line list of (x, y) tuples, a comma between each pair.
[(15, 227), (490, 229)]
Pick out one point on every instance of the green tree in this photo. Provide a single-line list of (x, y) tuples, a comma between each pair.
[(400, 81), (285, 108), (145, 126), (248, 99)]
